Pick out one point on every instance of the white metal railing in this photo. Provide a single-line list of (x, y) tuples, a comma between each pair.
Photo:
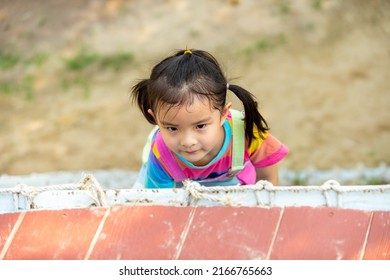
[(89, 193)]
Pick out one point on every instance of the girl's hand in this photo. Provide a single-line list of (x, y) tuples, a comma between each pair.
[(269, 173)]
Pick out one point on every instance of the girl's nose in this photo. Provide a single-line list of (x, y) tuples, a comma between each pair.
[(187, 140)]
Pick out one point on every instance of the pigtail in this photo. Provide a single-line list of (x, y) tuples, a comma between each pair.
[(252, 115), (140, 96)]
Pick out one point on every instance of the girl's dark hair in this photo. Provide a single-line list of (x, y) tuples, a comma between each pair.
[(190, 74)]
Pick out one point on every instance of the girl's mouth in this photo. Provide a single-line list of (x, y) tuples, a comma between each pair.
[(190, 152)]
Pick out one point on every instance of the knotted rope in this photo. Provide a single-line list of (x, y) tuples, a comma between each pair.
[(88, 183), (217, 194), (198, 191)]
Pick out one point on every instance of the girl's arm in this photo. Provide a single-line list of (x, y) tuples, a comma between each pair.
[(269, 173)]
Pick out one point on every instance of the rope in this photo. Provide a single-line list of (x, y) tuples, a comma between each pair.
[(88, 183), (195, 191), (201, 192), (100, 196), (198, 191), (25, 189)]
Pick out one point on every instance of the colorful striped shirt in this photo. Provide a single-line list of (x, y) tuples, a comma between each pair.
[(264, 150)]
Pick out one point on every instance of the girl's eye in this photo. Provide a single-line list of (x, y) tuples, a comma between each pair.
[(201, 126), (171, 129)]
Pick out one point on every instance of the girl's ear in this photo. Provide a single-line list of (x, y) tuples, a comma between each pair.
[(152, 114), (225, 112)]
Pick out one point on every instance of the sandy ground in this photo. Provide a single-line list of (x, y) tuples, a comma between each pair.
[(319, 69)]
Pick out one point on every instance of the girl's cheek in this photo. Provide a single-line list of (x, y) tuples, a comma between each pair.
[(171, 140)]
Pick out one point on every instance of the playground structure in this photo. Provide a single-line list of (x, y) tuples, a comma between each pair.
[(52, 216)]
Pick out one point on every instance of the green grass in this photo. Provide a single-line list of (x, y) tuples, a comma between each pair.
[(376, 181), (80, 82), (116, 61), (38, 59), (265, 44), (81, 60), (283, 7), (27, 86), (76, 71), (6, 88), (79, 67), (84, 59), (316, 4), (24, 85), (8, 60)]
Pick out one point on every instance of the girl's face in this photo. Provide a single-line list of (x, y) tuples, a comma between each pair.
[(194, 131)]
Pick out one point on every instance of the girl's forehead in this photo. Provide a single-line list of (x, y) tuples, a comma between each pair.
[(194, 104), (198, 106)]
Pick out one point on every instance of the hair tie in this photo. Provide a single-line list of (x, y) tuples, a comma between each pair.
[(227, 86), (188, 51)]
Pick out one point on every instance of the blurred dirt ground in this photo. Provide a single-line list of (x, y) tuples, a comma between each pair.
[(319, 69)]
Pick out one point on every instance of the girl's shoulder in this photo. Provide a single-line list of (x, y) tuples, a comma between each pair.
[(237, 118)]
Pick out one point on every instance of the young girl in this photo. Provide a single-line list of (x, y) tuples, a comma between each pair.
[(198, 136)]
